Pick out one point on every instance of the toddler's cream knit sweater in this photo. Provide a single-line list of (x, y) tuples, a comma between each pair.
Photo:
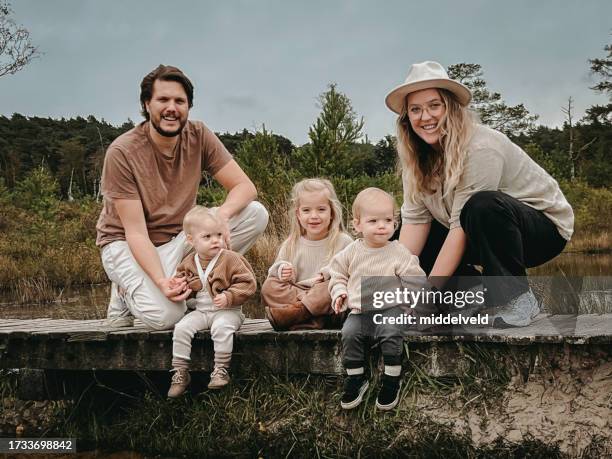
[(358, 260)]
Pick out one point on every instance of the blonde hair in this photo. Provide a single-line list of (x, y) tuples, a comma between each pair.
[(195, 216), (371, 195), (425, 168), (336, 225)]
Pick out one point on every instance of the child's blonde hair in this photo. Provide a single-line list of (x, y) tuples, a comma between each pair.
[(371, 195), (195, 216), (336, 224)]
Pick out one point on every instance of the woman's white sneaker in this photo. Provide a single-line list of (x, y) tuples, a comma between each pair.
[(518, 313)]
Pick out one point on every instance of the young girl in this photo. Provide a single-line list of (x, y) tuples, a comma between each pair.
[(220, 280), (372, 264), (296, 290)]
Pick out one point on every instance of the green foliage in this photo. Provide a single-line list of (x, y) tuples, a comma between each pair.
[(211, 195), (544, 159), (332, 138), (493, 111), (67, 146), (5, 196), (37, 192), (550, 146), (262, 160), (592, 206), (384, 157), (602, 67), (348, 187)]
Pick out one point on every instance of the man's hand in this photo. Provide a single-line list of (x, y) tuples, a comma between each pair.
[(220, 300), (338, 304), (287, 272), (224, 218), (240, 192), (173, 288)]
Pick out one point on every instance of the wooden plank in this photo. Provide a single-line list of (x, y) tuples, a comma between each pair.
[(545, 328), (35, 323)]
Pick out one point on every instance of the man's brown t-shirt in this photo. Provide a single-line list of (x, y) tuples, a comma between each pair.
[(167, 186)]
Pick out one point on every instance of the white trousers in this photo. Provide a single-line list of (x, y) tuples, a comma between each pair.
[(142, 298), (222, 323)]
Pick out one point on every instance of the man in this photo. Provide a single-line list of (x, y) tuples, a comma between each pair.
[(150, 180)]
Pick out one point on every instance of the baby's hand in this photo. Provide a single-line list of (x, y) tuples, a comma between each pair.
[(286, 272), (220, 300), (339, 303), (176, 281)]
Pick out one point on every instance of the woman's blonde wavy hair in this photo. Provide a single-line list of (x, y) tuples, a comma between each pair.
[(424, 167), (336, 224)]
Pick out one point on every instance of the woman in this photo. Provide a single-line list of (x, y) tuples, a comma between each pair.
[(471, 196)]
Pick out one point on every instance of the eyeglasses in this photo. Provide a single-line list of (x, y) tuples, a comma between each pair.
[(434, 108)]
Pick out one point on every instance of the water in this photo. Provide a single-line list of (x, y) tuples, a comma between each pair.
[(87, 302), (576, 264), (90, 302)]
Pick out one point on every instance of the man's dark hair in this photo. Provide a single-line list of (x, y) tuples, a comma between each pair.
[(164, 73)]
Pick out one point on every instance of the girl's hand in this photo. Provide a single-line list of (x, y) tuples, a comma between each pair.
[(286, 272), (220, 300), (338, 304)]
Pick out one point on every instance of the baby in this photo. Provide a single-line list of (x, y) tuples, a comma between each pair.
[(220, 281), (372, 260)]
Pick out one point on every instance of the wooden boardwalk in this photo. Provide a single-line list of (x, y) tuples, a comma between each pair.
[(52, 344)]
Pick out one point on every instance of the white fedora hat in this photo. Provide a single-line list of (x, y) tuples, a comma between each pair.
[(425, 75)]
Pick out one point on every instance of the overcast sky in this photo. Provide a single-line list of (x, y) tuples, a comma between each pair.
[(265, 61)]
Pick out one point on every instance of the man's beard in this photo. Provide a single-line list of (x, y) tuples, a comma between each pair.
[(163, 133)]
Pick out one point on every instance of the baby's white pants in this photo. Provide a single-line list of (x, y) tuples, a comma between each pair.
[(222, 323)]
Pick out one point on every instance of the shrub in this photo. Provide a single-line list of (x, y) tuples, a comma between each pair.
[(37, 192), (592, 206)]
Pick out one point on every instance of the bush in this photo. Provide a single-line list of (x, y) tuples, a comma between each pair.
[(37, 192), (348, 187), (592, 206), (268, 168)]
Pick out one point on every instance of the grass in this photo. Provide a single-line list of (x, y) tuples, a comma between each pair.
[(590, 243), (269, 416)]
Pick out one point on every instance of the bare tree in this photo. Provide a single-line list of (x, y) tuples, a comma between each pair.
[(16, 48), (98, 168), (573, 154)]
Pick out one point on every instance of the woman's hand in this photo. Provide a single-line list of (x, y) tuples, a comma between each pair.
[(449, 257)]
